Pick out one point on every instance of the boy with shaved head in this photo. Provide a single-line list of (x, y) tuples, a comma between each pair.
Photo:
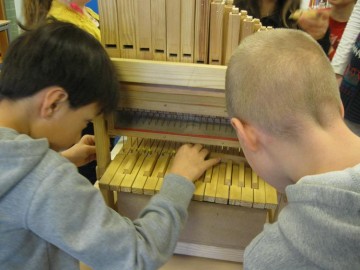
[(284, 103)]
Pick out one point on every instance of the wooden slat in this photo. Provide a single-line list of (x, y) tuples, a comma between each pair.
[(226, 27), (202, 24), (126, 21), (235, 189), (187, 30), (254, 180), (143, 30), (158, 28), (173, 30), (216, 32), (247, 193), (222, 190), (128, 180), (232, 35), (109, 27), (169, 73), (210, 188)]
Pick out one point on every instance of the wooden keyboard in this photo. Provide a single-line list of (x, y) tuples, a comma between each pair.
[(141, 164)]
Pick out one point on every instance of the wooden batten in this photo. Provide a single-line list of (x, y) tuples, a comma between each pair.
[(202, 25), (233, 32), (158, 28), (216, 32), (187, 30), (109, 27), (126, 21), (173, 30), (144, 48)]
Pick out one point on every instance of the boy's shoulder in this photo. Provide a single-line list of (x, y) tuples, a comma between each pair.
[(22, 157)]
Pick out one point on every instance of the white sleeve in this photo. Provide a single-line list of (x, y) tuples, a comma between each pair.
[(343, 51)]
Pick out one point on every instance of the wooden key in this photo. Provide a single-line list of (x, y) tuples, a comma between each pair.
[(235, 189), (242, 174), (129, 179), (247, 193), (150, 185), (119, 175), (150, 164), (111, 170), (208, 175), (254, 180), (210, 188), (229, 165), (199, 189), (259, 195), (164, 161), (131, 162), (222, 190), (161, 179)]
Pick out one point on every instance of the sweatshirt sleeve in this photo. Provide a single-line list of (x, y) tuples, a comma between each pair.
[(343, 51), (70, 213)]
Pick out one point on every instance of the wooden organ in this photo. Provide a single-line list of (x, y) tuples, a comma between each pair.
[(164, 104)]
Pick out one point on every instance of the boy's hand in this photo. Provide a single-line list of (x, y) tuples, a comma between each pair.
[(82, 152), (190, 161), (315, 22)]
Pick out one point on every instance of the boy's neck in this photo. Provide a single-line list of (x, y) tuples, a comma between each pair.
[(341, 13), (14, 117), (318, 151)]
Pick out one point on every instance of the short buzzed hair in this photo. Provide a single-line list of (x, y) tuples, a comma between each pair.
[(276, 77)]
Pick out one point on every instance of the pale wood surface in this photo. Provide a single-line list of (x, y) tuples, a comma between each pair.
[(143, 30), (126, 21), (187, 30), (158, 28), (169, 73), (216, 32), (202, 24), (173, 29), (182, 262), (109, 27)]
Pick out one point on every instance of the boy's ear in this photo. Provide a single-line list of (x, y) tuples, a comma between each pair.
[(246, 133), (342, 110), (53, 98)]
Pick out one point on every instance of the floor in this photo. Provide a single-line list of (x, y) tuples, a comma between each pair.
[(181, 262)]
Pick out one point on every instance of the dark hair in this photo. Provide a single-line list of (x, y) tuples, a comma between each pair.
[(283, 8), (60, 54)]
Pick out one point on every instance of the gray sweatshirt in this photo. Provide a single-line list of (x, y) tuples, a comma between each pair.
[(318, 229), (51, 216)]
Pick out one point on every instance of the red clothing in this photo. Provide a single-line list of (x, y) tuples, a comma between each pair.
[(336, 32)]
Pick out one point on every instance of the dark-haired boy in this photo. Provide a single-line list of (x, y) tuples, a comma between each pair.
[(54, 80)]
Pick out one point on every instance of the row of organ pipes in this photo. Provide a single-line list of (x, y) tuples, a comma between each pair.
[(191, 31)]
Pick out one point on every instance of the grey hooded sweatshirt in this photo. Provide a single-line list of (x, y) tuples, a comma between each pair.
[(318, 229), (51, 216)]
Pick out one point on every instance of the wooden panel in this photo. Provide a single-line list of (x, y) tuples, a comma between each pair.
[(127, 34), (158, 28), (109, 27), (180, 74), (173, 30), (216, 32), (187, 30), (202, 25), (143, 30)]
